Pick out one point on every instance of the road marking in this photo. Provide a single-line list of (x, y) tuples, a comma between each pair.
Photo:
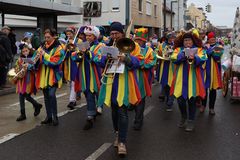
[(8, 137), (67, 111), (39, 97), (148, 110), (99, 151)]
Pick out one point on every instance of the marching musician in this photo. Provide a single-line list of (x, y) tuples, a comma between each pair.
[(122, 90), (188, 78), (213, 73), (88, 80), (49, 74), (166, 68), (26, 85), (145, 74), (70, 66)]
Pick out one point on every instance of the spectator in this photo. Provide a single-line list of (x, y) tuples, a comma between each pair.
[(5, 58), (36, 40)]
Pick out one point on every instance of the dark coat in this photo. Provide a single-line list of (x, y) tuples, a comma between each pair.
[(5, 50)]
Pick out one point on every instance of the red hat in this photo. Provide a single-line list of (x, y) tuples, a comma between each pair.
[(211, 35)]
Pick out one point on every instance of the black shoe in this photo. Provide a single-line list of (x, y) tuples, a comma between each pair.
[(21, 117), (37, 109), (137, 127), (88, 125), (161, 98), (55, 121), (47, 121), (72, 105)]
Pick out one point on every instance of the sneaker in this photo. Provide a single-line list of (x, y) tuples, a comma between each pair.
[(88, 125), (115, 143), (99, 110), (21, 118), (190, 126), (169, 108), (202, 109), (72, 105), (37, 109), (122, 149), (212, 112), (182, 123)]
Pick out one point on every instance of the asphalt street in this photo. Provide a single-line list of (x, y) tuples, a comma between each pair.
[(215, 138)]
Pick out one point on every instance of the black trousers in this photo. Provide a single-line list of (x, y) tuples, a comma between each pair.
[(182, 103), (212, 98), (3, 75)]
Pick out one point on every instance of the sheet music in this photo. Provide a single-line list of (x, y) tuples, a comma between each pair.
[(116, 67), (83, 46), (28, 60), (190, 51), (111, 51)]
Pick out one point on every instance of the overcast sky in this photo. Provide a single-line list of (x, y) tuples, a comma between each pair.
[(223, 11)]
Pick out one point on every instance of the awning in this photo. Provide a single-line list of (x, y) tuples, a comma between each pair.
[(37, 7)]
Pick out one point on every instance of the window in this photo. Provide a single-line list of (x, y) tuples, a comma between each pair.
[(155, 10), (140, 5), (104, 5), (115, 5), (148, 8)]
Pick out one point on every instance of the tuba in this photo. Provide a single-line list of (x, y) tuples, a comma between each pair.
[(18, 73), (125, 46)]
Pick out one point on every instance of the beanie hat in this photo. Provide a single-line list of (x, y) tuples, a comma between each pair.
[(211, 35), (92, 30), (28, 35), (141, 33), (6, 27), (116, 26), (71, 29), (102, 30)]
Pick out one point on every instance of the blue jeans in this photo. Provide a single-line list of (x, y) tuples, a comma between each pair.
[(120, 121), (91, 104), (50, 101), (139, 110), (191, 108), (28, 97)]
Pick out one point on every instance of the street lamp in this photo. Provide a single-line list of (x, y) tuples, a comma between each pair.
[(172, 11)]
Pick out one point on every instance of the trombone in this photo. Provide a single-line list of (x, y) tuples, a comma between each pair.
[(125, 46)]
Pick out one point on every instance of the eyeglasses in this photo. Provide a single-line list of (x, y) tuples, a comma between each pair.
[(114, 33)]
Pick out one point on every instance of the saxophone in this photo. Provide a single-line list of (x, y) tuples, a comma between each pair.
[(18, 73)]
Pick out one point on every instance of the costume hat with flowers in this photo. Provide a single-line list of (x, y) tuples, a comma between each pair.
[(92, 30), (141, 33)]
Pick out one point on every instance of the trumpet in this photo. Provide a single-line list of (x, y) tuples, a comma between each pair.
[(166, 54)]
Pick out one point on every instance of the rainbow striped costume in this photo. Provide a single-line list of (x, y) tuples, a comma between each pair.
[(124, 90), (188, 80), (27, 83), (69, 66), (89, 74), (213, 75), (145, 73), (48, 67), (165, 69)]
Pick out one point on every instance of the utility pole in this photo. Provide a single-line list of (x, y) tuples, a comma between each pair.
[(172, 12), (164, 16)]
